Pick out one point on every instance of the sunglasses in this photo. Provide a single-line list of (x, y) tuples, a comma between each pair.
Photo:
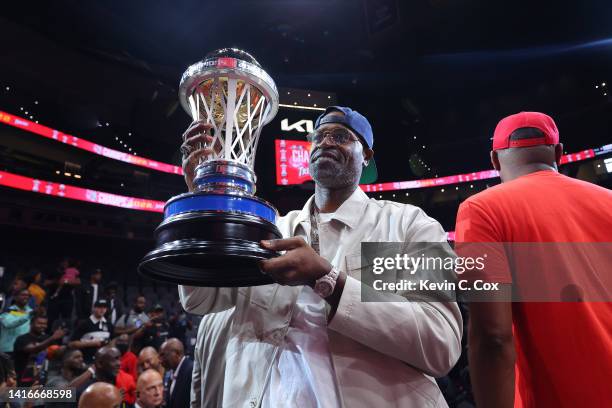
[(336, 136)]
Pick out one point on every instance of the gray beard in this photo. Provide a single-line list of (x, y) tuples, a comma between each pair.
[(333, 176)]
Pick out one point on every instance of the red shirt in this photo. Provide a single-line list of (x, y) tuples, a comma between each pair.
[(125, 382), (129, 363), (564, 350)]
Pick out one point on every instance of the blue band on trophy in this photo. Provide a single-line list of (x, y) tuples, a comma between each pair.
[(217, 202), (229, 180)]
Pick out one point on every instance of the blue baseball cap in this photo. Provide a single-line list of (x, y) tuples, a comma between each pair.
[(356, 122)]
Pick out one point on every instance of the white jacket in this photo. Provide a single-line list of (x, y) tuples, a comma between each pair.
[(384, 354)]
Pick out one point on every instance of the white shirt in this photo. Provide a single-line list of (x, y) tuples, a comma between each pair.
[(95, 294), (381, 354), (174, 374), (303, 371)]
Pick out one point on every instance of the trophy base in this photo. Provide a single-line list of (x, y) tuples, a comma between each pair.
[(190, 250)]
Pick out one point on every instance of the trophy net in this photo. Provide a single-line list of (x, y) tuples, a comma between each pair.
[(237, 112)]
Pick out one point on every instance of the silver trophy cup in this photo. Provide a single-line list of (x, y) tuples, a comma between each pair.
[(210, 237)]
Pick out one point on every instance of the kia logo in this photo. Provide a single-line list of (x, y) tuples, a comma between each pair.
[(304, 126)]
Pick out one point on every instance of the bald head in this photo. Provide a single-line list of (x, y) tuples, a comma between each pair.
[(108, 362), (150, 389), (100, 395), (171, 352), (147, 359)]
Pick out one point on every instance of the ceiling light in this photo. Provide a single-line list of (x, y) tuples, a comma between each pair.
[(328, 96), (129, 133), (603, 84), (457, 188), (26, 112), (442, 190), (57, 172), (423, 146), (407, 194), (471, 186), (380, 196), (67, 174), (35, 102), (8, 88), (288, 93), (107, 124), (309, 95), (77, 176)]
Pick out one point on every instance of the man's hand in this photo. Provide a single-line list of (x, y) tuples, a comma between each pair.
[(58, 334), (196, 144), (300, 265)]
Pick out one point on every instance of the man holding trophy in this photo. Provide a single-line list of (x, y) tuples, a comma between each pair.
[(289, 329)]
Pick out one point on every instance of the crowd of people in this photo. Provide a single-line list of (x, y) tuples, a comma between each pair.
[(64, 331)]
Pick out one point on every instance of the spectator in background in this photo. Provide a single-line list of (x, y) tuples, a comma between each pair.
[(17, 286), (149, 359), (33, 280), (179, 324), (100, 395), (129, 360), (87, 294), (156, 329), (60, 286), (72, 366), (7, 372), (150, 390), (31, 350), (107, 369), (15, 321), (92, 333), (7, 378), (180, 366), (115, 306), (130, 322)]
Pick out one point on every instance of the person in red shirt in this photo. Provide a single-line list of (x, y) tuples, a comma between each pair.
[(129, 360), (561, 352), (125, 382)]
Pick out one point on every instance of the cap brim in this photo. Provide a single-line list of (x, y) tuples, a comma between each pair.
[(370, 174)]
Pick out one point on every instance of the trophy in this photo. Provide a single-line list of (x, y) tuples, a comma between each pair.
[(210, 237)]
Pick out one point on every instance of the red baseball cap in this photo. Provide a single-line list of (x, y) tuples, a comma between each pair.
[(540, 121)]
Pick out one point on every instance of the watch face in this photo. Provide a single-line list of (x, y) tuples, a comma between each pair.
[(323, 289)]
